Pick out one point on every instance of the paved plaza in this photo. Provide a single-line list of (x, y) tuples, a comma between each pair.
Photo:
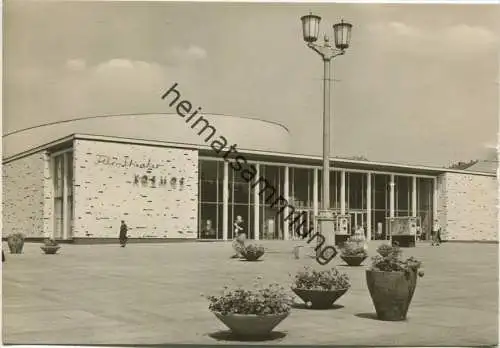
[(152, 294)]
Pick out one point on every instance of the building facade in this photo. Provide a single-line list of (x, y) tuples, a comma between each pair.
[(79, 186)]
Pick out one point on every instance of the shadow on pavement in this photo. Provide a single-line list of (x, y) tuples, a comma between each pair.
[(304, 306), (373, 316), (229, 336)]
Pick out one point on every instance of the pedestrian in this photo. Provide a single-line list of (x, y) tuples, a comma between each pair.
[(239, 245), (3, 257), (123, 234), (208, 231), (436, 233), (238, 226), (240, 237)]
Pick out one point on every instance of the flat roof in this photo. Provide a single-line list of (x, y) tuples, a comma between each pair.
[(267, 156)]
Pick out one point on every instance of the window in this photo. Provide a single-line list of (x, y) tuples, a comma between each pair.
[(403, 195), (355, 186), (270, 220), (62, 170), (211, 176), (424, 204)]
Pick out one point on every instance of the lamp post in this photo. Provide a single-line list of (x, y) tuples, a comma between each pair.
[(342, 36)]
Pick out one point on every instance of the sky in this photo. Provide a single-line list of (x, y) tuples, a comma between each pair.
[(418, 85)]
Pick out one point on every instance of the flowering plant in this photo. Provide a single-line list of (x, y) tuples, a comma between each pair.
[(385, 250), (252, 251), (310, 279), (49, 242), (390, 260), (267, 300), (16, 237), (353, 249)]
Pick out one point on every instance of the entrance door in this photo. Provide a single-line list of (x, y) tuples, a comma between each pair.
[(303, 223), (62, 173), (358, 219)]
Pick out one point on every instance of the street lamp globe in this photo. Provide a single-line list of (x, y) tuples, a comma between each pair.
[(310, 27), (342, 34)]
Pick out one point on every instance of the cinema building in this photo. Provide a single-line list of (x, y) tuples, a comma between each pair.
[(76, 180)]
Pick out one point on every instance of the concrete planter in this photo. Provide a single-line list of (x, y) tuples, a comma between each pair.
[(391, 293), (251, 325), (319, 299), (50, 249), (354, 260), (15, 243), (253, 255)]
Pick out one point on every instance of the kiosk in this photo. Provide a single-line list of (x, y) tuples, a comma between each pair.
[(403, 230), (342, 228)]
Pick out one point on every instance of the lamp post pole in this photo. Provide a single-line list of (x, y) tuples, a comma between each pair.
[(326, 133), (342, 32)]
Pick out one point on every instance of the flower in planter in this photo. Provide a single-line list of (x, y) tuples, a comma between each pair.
[(327, 280), (266, 300), (320, 289), (391, 282), (254, 312), (390, 260), (351, 249), (49, 242), (386, 249), (50, 246)]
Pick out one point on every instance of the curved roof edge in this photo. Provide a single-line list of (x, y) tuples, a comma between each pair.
[(136, 114), (284, 155)]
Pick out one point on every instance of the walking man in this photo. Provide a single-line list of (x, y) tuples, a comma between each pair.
[(436, 233), (123, 234)]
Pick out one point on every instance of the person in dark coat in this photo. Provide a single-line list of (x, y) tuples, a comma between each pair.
[(123, 234), (436, 233), (3, 257)]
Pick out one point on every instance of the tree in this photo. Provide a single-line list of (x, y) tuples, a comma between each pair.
[(356, 158), (462, 165)]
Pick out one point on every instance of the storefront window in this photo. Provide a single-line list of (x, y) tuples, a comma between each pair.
[(380, 204), (355, 185), (240, 193), (424, 205), (301, 187), (58, 196), (403, 195), (335, 187), (211, 175), (270, 220), (63, 195)]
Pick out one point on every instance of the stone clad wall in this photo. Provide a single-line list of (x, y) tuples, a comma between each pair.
[(23, 195), (470, 205), (154, 189)]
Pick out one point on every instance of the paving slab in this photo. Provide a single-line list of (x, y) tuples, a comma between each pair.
[(154, 294)]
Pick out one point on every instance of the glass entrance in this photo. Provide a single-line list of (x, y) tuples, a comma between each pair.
[(304, 221), (358, 219), (62, 175), (240, 205)]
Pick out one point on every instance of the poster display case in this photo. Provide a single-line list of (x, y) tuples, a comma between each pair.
[(403, 230)]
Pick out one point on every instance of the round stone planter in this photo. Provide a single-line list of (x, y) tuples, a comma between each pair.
[(251, 325), (319, 299), (252, 256), (354, 260), (50, 250), (15, 245), (391, 293)]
